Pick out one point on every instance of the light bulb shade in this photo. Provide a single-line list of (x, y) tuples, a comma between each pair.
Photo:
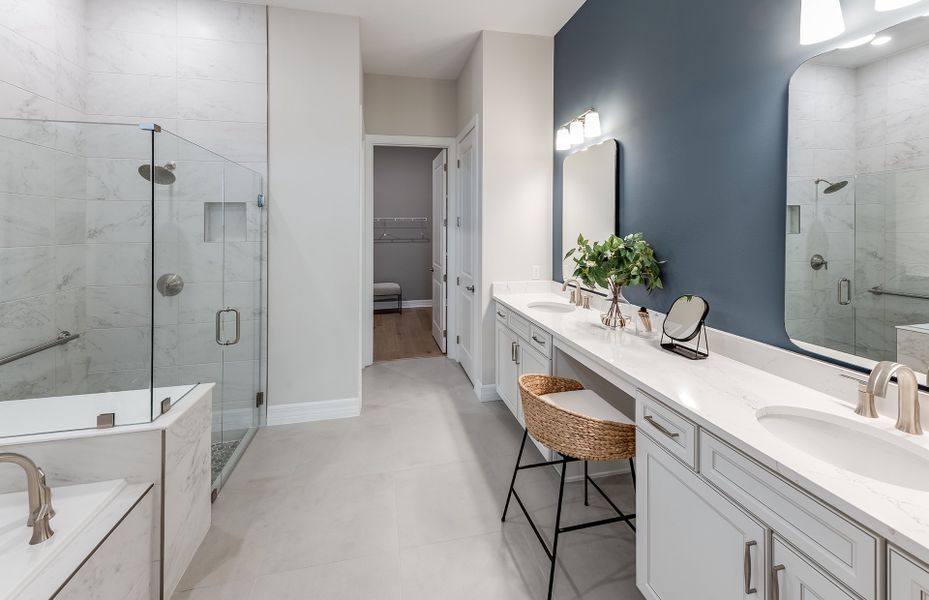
[(820, 20), (885, 5), (577, 132), (592, 124), (562, 139)]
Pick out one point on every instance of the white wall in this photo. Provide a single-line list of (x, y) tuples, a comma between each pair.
[(508, 83), (410, 106), (315, 209)]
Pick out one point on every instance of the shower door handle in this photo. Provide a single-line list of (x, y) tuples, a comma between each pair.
[(844, 291), (219, 326)]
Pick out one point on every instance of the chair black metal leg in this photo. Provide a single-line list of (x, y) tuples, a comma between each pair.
[(632, 470), (586, 503), (519, 458), (551, 575)]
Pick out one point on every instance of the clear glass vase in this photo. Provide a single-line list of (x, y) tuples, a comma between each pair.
[(613, 316)]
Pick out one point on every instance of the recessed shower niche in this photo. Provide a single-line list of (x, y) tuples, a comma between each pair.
[(218, 216)]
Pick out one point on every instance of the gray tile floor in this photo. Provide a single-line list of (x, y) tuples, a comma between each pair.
[(403, 502)]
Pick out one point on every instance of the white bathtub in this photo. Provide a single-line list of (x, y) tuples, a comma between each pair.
[(68, 413)]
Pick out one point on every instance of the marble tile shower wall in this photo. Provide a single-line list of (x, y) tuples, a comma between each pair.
[(892, 246), (821, 145), (198, 67)]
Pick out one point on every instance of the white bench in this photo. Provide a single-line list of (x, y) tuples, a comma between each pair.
[(389, 291)]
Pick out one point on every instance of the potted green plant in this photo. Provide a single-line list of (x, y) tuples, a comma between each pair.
[(614, 263)]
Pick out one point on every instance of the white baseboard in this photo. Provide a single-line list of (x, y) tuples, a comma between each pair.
[(486, 393), (387, 304), (302, 412)]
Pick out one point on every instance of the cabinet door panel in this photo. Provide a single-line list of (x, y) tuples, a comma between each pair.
[(798, 579), (692, 543), (531, 361), (506, 367), (907, 580)]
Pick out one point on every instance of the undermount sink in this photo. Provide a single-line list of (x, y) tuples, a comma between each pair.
[(552, 307), (850, 444)]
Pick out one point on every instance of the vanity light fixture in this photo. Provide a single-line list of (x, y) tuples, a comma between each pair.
[(575, 131), (592, 124), (858, 42), (820, 20), (886, 5), (880, 41), (562, 139)]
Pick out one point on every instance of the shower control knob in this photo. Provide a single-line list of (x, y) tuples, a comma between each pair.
[(169, 284), (817, 262)]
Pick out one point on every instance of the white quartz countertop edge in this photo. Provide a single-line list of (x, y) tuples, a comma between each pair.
[(723, 395)]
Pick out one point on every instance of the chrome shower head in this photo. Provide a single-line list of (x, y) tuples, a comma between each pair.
[(832, 187), (163, 175)]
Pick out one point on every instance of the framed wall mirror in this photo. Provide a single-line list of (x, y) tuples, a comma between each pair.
[(588, 197), (857, 226)]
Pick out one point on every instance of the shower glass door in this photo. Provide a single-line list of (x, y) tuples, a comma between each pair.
[(207, 300)]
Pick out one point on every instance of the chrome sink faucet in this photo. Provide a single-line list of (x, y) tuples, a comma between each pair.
[(907, 393), (576, 296), (40, 497)]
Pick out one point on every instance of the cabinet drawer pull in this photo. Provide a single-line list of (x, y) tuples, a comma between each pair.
[(661, 427), (776, 582), (501, 315), (747, 568), (538, 341), (518, 350), (513, 351)]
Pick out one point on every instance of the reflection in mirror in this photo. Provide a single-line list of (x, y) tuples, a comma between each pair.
[(588, 197), (857, 271)]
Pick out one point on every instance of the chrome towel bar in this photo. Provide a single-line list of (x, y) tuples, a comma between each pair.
[(878, 291), (63, 338)]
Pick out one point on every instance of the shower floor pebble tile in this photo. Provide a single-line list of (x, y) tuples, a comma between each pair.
[(403, 503)]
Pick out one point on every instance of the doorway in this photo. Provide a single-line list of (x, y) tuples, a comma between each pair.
[(408, 198)]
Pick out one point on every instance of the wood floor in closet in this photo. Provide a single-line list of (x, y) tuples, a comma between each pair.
[(404, 335)]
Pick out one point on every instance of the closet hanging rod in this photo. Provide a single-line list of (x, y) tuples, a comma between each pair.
[(401, 219)]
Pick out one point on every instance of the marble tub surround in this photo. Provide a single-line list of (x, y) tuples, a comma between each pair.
[(913, 346), (172, 452), (723, 394), (86, 515)]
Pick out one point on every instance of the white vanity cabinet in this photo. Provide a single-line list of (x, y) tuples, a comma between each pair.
[(692, 543), (521, 348), (906, 580), (793, 577)]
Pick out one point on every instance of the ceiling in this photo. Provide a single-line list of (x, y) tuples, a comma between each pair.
[(907, 34), (433, 38)]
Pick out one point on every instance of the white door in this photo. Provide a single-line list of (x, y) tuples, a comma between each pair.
[(439, 251), (692, 543), (795, 578), (468, 300)]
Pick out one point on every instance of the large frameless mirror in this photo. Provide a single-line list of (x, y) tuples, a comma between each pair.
[(857, 226), (588, 197)]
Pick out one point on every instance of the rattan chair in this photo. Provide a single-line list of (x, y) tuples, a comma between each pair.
[(578, 425)]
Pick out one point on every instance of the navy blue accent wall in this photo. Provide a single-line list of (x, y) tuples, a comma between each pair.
[(696, 93)]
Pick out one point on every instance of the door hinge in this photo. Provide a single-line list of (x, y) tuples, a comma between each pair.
[(444, 222), (261, 200), (459, 221), (259, 399), (459, 163), (444, 278), (445, 333), (458, 281), (445, 167)]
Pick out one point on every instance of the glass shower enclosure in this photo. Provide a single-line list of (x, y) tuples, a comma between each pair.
[(131, 270)]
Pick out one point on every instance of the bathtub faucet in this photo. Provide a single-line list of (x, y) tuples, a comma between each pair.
[(40, 497)]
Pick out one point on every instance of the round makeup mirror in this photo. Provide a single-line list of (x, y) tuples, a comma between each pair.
[(684, 323), (685, 318)]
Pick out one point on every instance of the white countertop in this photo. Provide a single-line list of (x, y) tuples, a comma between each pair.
[(723, 396)]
